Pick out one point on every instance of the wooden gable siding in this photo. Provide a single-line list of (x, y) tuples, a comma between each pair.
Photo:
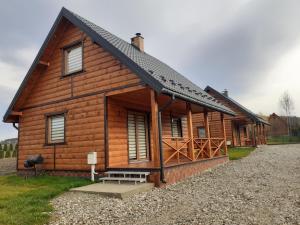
[(81, 95)]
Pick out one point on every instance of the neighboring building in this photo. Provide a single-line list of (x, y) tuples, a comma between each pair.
[(245, 129), (280, 125), (88, 90)]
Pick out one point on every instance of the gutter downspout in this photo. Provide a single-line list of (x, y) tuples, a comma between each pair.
[(14, 125), (161, 155), (17, 156)]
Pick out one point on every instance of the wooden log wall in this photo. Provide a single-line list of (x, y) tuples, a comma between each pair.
[(82, 95)]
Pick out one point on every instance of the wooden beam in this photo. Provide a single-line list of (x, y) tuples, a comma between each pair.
[(207, 131), (154, 127), (44, 63), (190, 131), (224, 132), (15, 113), (253, 135), (126, 90), (264, 133)]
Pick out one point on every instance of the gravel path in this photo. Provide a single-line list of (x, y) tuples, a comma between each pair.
[(7, 166), (261, 189)]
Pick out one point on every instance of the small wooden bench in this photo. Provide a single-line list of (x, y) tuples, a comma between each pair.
[(132, 176)]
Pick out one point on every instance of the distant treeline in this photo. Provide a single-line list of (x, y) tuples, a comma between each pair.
[(8, 150)]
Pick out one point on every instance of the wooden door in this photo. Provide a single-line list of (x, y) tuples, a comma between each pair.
[(138, 148)]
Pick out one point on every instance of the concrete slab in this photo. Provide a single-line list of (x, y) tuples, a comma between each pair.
[(115, 190)]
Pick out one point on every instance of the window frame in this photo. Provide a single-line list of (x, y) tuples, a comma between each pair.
[(47, 127), (179, 122), (201, 127), (66, 48)]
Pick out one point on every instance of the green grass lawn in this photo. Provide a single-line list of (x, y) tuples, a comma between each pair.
[(283, 140), (237, 153), (26, 202)]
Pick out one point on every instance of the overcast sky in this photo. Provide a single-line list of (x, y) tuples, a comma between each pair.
[(250, 47)]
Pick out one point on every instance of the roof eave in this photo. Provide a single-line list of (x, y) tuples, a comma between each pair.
[(198, 102)]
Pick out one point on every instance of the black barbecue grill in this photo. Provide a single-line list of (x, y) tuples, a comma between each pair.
[(32, 161)]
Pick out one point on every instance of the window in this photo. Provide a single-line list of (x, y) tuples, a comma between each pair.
[(137, 136), (201, 132), (176, 126), (55, 129), (73, 59)]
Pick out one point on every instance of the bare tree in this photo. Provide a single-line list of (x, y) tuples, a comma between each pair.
[(287, 104)]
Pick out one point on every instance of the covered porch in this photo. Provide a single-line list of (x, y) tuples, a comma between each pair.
[(147, 131)]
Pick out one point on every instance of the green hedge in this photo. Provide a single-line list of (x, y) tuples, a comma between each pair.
[(283, 140)]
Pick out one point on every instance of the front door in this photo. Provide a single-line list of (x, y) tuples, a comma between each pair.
[(138, 148)]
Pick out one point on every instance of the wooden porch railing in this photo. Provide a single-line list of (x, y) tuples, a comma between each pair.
[(178, 147), (216, 145), (179, 151), (201, 148)]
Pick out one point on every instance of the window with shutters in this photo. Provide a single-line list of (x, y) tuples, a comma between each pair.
[(73, 59), (55, 129), (176, 125), (137, 136)]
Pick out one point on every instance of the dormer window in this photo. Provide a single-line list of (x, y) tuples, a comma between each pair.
[(73, 59)]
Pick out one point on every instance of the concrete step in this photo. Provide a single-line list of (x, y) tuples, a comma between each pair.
[(114, 190)]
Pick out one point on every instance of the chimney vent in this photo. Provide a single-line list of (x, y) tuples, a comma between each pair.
[(138, 41), (225, 92)]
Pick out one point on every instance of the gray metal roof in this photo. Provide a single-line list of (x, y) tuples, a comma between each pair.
[(251, 114), (152, 71), (164, 76)]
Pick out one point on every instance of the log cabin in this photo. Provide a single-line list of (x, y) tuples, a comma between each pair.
[(244, 129), (90, 91)]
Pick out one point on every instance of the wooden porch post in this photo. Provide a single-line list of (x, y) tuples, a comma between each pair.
[(224, 132), (260, 134), (190, 131), (207, 131), (264, 133), (257, 134), (253, 134), (154, 127)]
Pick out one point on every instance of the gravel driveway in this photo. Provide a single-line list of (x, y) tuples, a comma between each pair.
[(263, 188)]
